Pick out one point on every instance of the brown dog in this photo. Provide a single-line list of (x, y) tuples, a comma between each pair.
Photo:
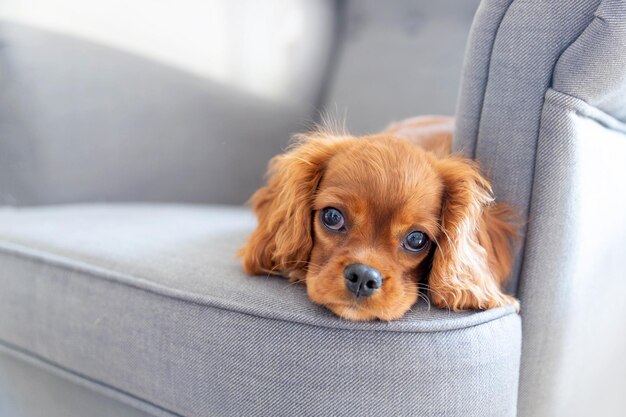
[(365, 222)]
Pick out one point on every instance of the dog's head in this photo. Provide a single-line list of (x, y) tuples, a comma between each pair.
[(363, 221)]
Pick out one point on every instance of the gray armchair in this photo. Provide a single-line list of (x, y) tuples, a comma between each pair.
[(141, 309)]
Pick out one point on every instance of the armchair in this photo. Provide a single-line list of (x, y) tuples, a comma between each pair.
[(140, 308)]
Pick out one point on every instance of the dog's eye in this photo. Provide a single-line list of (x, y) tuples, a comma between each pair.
[(415, 241), (332, 218)]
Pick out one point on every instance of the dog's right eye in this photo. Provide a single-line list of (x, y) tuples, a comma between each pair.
[(415, 241), (333, 219)]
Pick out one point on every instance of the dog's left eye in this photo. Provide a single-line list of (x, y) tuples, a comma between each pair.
[(333, 219), (415, 241)]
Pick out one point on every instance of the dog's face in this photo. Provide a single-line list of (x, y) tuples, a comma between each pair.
[(363, 221), (375, 220)]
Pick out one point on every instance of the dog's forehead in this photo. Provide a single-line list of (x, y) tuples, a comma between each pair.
[(384, 175), (384, 167)]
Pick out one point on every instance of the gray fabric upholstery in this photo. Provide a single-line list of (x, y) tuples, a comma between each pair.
[(573, 277), (529, 38), (30, 387), (82, 121), (542, 91), (398, 59), (150, 301), (592, 68), (475, 73)]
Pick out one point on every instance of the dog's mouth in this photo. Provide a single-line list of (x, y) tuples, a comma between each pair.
[(348, 305)]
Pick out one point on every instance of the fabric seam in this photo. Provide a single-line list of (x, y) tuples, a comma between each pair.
[(484, 90), (579, 112), (41, 363)]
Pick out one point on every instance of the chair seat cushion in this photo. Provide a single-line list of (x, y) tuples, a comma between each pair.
[(151, 301)]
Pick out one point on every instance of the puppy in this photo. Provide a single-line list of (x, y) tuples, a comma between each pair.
[(366, 222)]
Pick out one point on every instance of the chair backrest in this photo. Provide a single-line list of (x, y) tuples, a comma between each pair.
[(543, 108), (398, 59), (167, 101), (189, 109)]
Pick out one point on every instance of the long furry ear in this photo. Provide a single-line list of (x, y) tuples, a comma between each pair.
[(282, 241), (475, 251)]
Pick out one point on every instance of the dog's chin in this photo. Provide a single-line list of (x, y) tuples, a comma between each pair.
[(353, 313), (356, 312)]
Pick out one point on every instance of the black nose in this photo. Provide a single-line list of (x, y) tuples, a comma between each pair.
[(362, 280)]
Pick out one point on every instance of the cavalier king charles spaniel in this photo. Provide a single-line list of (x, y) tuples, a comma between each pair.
[(367, 222)]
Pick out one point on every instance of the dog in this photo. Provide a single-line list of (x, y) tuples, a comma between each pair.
[(367, 222)]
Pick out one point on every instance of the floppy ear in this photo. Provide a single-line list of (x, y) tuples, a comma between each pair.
[(474, 253), (282, 242)]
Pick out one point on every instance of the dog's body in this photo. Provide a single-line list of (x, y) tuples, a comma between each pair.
[(364, 222)]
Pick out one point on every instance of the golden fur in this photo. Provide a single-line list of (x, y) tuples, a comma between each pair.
[(386, 185)]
